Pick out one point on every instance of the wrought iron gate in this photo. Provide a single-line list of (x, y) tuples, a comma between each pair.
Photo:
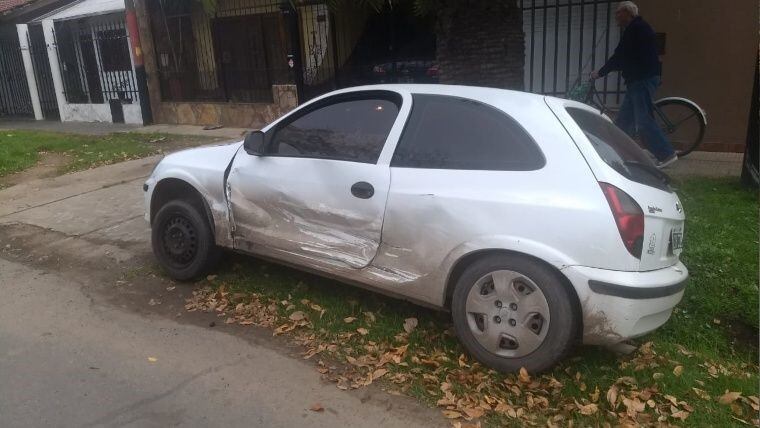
[(14, 92), (95, 63), (43, 76), (567, 39)]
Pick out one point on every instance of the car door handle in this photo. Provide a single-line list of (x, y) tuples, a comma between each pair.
[(362, 190)]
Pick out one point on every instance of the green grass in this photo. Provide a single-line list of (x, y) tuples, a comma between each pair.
[(715, 325), (20, 149)]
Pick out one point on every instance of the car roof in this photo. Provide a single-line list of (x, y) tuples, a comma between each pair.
[(472, 92)]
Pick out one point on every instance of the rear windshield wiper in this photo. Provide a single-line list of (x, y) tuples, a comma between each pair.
[(650, 169)]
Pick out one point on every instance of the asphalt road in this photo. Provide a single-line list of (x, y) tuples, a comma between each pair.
[(80, 346)]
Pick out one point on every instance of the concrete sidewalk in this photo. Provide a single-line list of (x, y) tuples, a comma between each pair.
[(707, 164), (90, 337), (103, 128)]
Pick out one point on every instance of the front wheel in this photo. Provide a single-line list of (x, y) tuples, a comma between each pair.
[(183, 241), (511, 311), (682, 123)]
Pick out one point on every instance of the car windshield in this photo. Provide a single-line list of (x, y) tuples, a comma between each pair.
[(618, 150)]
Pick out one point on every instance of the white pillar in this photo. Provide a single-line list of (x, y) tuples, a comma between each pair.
[(31, 80), (55, 69)]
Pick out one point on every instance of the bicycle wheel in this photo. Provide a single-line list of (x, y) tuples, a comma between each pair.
[(682, 123)]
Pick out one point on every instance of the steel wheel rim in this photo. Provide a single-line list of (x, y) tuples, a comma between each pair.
[(179, 241), (507, 313)]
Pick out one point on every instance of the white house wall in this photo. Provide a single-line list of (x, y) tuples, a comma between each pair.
[(92, 112)]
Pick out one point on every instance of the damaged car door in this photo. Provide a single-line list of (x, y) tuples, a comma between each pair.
[(315, 194)]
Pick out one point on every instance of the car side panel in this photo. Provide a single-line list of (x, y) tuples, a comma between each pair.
[(434, 216), (203, 169)]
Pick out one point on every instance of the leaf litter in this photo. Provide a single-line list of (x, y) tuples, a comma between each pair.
[(463, 389)]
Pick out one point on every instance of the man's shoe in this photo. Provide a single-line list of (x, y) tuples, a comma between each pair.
[(668, 161)]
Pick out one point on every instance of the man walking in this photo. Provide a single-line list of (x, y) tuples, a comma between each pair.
[(636, 57)]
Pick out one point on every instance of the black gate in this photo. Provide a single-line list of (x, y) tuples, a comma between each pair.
[(351, 46), (567, 39), (14, 92), (43, 76), (95, 63)]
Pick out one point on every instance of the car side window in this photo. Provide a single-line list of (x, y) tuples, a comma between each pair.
[(446, 132), (351, 129)]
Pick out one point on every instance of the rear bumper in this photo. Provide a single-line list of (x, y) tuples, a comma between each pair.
[(621, 305)]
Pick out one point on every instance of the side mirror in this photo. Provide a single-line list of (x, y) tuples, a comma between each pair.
[(254, 143)]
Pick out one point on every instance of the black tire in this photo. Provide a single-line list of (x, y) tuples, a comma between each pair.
[(688, 135), (562, 331), (183, 241)]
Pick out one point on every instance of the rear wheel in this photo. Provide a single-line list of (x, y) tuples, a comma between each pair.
[(511, 311), (183, 241), (682, 123)]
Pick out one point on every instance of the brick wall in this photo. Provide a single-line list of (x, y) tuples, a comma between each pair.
[(481, 43)]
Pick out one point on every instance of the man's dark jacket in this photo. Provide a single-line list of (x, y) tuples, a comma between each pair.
[(636, 54)]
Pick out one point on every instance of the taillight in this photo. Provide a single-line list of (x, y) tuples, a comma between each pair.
[(629, 218)]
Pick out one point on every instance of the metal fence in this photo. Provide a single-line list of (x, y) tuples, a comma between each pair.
[(235, 53), (567, 39), (14, 92), (38, 51), (238, 51), (95, 62)]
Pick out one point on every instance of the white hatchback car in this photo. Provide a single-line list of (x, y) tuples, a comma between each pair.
[(533, 219)]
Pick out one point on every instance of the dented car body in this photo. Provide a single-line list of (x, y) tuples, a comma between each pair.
[(363, 185)]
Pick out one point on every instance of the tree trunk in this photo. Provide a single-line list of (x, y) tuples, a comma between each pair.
[(481, 43)]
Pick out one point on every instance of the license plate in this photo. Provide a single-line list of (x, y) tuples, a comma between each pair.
[(676, 240)]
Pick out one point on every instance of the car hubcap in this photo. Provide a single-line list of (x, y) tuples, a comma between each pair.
[(180, 241), (507, 313)]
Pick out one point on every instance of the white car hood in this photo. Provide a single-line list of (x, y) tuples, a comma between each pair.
[(206, 158)]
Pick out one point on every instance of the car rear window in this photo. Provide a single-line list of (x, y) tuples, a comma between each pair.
[(618, 150), (445, 132)]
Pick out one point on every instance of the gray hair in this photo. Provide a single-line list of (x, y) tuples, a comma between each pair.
[(629, 6)]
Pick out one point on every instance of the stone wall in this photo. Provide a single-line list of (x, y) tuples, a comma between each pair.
[(481, 43), (228, 114), (253, 115)]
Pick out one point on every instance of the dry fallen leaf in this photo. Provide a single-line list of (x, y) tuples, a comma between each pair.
[(594, 395), (451, 414), (612, 395), (524, 376), (349, 320), (316, 407), (377, 374), (410, 324), (658, 376), (678, 370), (473, 413), (587, 409), (363, 331), (297, 316), (701, 394), (729, 397)]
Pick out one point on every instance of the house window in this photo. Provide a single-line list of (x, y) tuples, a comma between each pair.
[(114, 50)]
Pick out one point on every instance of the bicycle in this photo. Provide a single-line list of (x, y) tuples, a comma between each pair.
[(681, 119)]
